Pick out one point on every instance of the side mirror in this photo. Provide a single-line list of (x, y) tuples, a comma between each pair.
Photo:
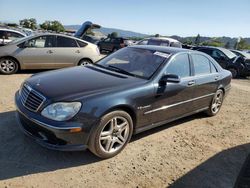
[(170, 78)]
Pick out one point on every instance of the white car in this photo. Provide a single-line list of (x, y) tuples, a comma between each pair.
[(7, 35), (161, 41)]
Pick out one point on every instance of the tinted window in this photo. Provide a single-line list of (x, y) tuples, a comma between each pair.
[(66, 42), (179, 66), (207, 51), (218, 54), (158, 42), (201, 64), (81, 44), (175, 44), (13, 35)]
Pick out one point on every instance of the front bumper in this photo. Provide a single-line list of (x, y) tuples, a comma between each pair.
[(48, 133)]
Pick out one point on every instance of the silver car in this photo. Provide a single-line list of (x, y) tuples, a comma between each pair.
[(46, 51)]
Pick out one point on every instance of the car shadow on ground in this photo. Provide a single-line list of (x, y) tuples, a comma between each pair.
[(20, 156), (219, 171)]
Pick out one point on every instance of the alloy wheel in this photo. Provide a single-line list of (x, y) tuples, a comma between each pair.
[(114, 134), (217, 101), (7, 66)]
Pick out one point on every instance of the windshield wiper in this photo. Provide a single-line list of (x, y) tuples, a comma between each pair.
[(117, 69)]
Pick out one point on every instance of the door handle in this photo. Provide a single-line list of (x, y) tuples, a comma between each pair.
[(49, 51), (77, 51), (216, 77), (190, 83)]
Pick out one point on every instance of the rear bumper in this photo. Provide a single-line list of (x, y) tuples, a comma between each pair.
[(48, 135)]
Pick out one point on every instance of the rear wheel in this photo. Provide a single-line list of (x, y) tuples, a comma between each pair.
[(216, 103), (8, 66), (84, 62), (111, 135), (234, 72)]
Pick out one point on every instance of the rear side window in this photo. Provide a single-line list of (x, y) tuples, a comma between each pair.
[(201, 64), (175, 44), (179, 65), (81, 44), (66, 42)]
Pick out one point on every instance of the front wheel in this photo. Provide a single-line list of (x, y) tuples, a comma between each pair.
[(111, 135), (8, 66), (216, 103)]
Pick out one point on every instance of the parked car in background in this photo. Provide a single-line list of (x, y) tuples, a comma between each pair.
[(7, 35), (130, 91), (228, 60), (242, 54), (112, 44), (161, 41), (46, 51)]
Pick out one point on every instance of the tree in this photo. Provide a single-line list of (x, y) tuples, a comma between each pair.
[(242, 45), (197, 40), (227, 45), (28, 23), (53, 26), (114, 35)]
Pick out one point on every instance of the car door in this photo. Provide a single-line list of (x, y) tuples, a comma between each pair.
[(37, 53), (67, 52), (206, 81), (173, 100)]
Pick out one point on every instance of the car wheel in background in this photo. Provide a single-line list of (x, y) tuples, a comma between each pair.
[(234, 72), (111, 135), (8, 66), (84, 62), (216, 103)]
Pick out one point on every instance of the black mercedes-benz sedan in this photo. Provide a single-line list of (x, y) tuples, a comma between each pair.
[(99, 106)]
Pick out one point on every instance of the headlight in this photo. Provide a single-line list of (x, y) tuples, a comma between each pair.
[(61, 111)]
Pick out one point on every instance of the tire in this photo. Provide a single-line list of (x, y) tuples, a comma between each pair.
[(216, 103), (234, 72), (84, 62), (8, 66), (111, 135)]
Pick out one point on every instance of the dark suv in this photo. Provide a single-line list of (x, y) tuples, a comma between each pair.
[(112, 44), (228, 60)]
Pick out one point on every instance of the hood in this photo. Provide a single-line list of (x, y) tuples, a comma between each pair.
[(85, 27), (78, 82)]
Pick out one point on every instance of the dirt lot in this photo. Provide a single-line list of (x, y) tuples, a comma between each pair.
[(193, 152)]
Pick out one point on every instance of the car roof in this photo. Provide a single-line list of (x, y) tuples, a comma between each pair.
[(169, 50), (211, 47), (58, 34), (163, 38), (12, 30)]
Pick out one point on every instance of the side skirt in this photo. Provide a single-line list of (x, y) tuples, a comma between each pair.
[(147, 127)]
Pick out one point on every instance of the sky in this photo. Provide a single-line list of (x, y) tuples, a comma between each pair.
[(211, 18)]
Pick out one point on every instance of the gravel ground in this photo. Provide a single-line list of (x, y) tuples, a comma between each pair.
[(196, 151)]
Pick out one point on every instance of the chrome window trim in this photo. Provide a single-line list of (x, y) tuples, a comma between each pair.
[(176, 104)]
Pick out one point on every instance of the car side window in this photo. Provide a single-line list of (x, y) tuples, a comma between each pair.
[(201, 64), (81, 44), (179, 65), (65, 42), (13, 35), (213, 69), (41, 42), (217, 54)]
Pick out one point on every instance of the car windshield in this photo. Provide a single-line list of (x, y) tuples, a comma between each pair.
[(133, 61), (228, 53)]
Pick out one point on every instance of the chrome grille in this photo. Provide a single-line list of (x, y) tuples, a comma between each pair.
[(30, 98)]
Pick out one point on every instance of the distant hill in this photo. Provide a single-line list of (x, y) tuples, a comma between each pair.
[(127, 34), (106, 31)]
